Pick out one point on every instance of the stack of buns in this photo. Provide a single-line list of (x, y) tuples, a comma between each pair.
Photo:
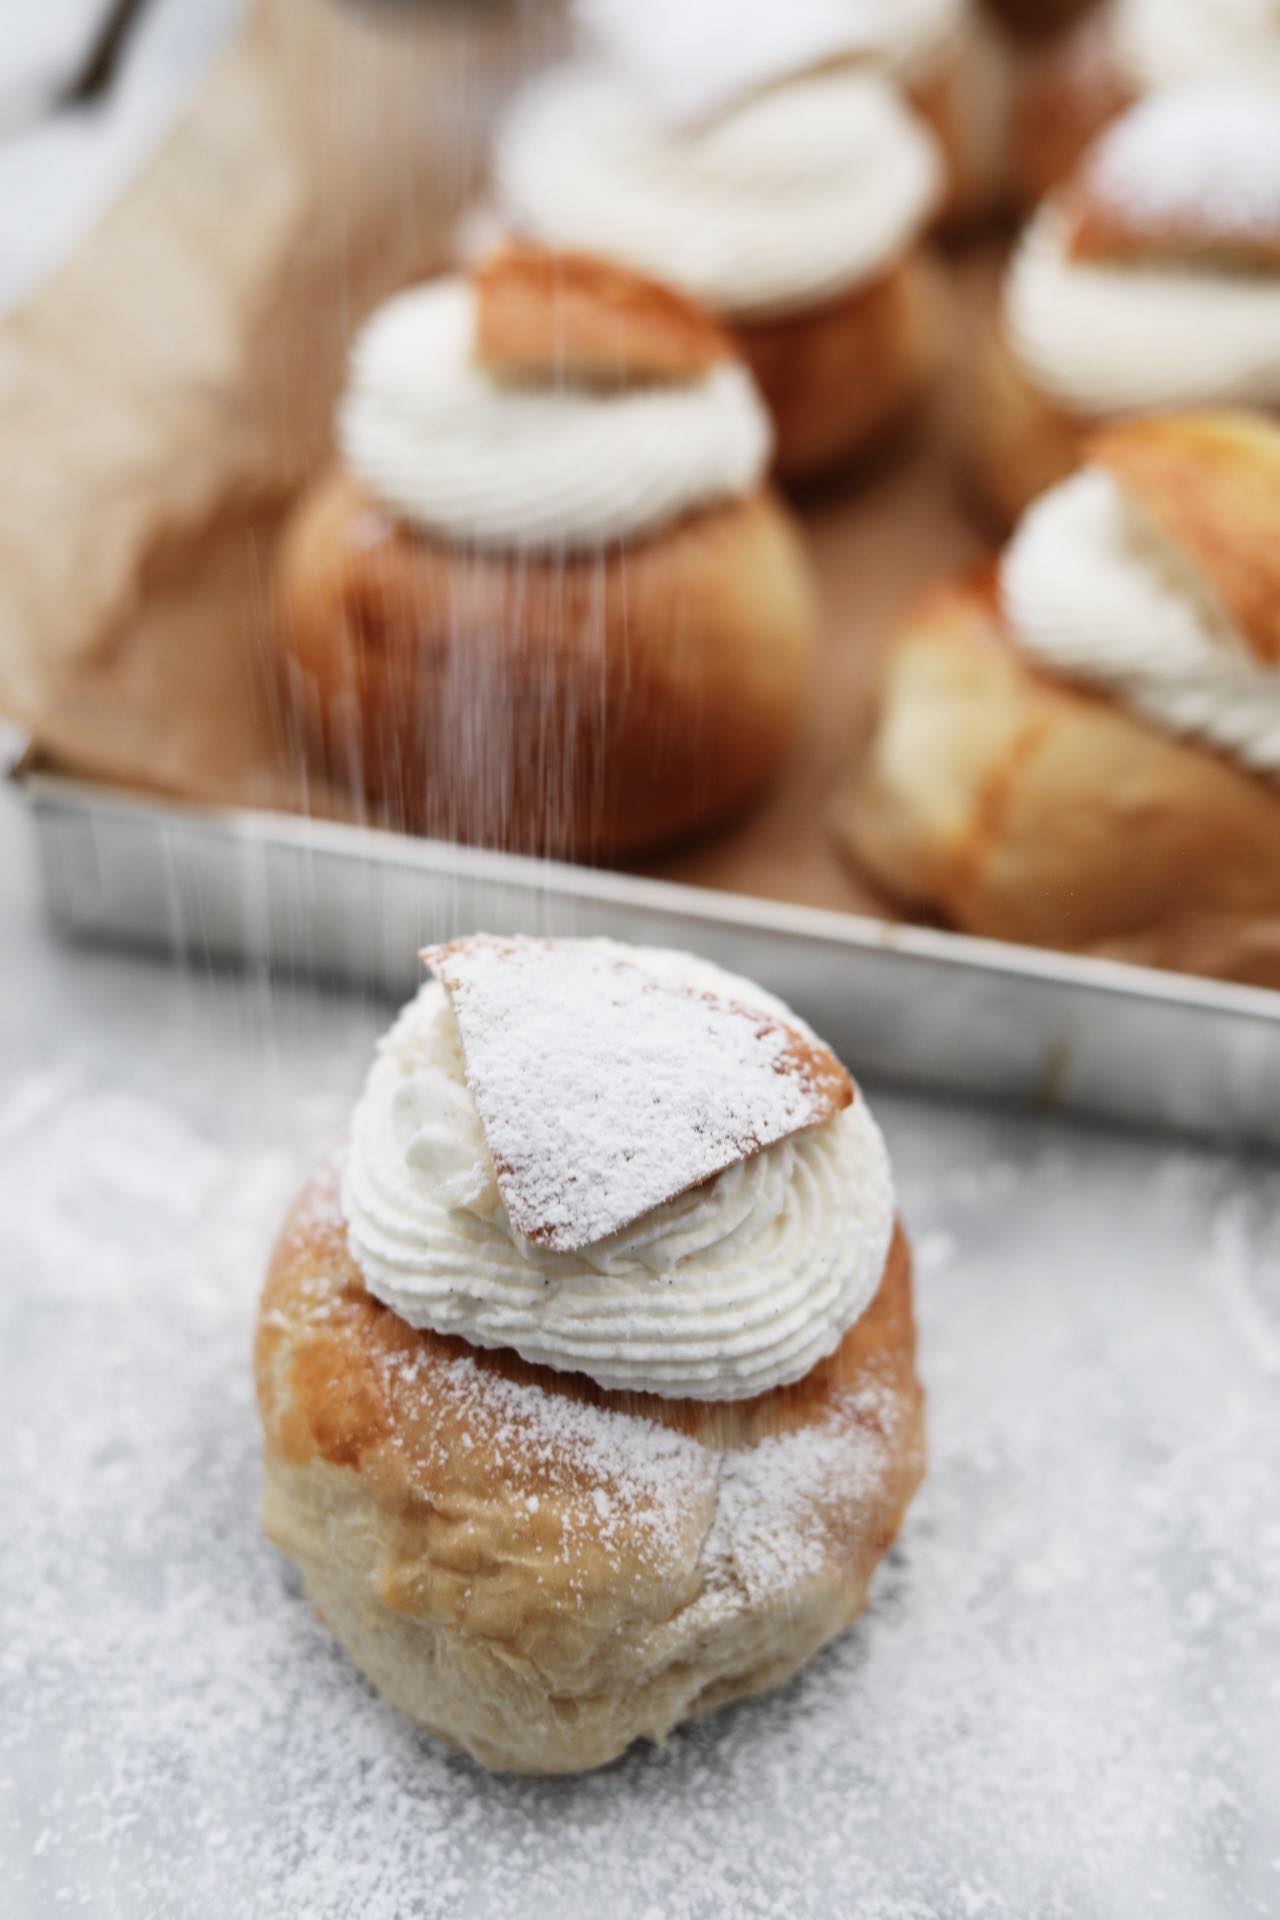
[(548, 598)]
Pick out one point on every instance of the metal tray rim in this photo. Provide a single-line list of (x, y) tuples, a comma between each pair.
[(1113, 979)]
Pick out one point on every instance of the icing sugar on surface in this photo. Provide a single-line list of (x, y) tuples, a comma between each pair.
[(1060, 1704), (605, 1091)]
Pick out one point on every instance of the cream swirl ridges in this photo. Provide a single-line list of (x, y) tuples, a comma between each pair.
[(1162, 44), (694, 58), (737, 1287), (798, 195), (1092, 591), (451, 449), (1102, 340)]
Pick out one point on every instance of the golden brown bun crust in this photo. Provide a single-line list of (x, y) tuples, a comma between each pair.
[(1102, 227), (839, 376), (1069, 94), (511, 1591), (1019, 443), (1020, 808), (575, 706), (1039, 19), (967, 101), (543, 315), (1210, 483)]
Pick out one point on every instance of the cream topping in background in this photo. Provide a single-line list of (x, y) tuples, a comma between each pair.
[(1105, 339), (799, 194), (453, 450), (694, 58), (732, 1289), (1091, 590), (1164, 43)]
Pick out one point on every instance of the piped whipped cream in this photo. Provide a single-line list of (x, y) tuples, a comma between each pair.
[(1165, 43), (734, 1288), (1101, 339), (1091, 590), (453, 450), (797, 195), (694, 58)]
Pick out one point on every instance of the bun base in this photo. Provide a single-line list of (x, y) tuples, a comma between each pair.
[(538, 1599), (837, 378), (578, 705), (1020, 808), (1019, 443)]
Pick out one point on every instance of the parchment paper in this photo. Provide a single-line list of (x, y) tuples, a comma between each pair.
[(165, 396), (165, 393)]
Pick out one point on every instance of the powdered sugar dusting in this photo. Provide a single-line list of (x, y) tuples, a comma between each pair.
[(759, 1507), (1197, 161), (767, 1525), (605, 1091), (641, 1475), (1062, 1702)]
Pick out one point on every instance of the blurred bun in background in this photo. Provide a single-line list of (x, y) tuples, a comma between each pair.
[(546, 600), (796, 215), (1150, 280), (1081, 747), (1122, 52)]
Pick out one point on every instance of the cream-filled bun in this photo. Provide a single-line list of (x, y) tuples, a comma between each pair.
[(794, 211), (696, 59), (1128, 51), (1083, 749), (587, 1377), (1150, 283), (544, 599)]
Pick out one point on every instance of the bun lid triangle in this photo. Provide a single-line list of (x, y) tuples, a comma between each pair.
[(1192, 175), (545, 316), (1209, 486), (604, 1091)]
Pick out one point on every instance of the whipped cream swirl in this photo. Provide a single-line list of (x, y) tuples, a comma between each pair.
[(694, 58), (730, 1290), (1104, 339), (1164, 43), (799, 194), (1092, 590), (451, 449)]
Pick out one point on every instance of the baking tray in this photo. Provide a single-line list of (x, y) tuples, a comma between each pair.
[(929, 1009)]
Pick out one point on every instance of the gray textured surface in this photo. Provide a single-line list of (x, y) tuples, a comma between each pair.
[(1065, 1699)]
